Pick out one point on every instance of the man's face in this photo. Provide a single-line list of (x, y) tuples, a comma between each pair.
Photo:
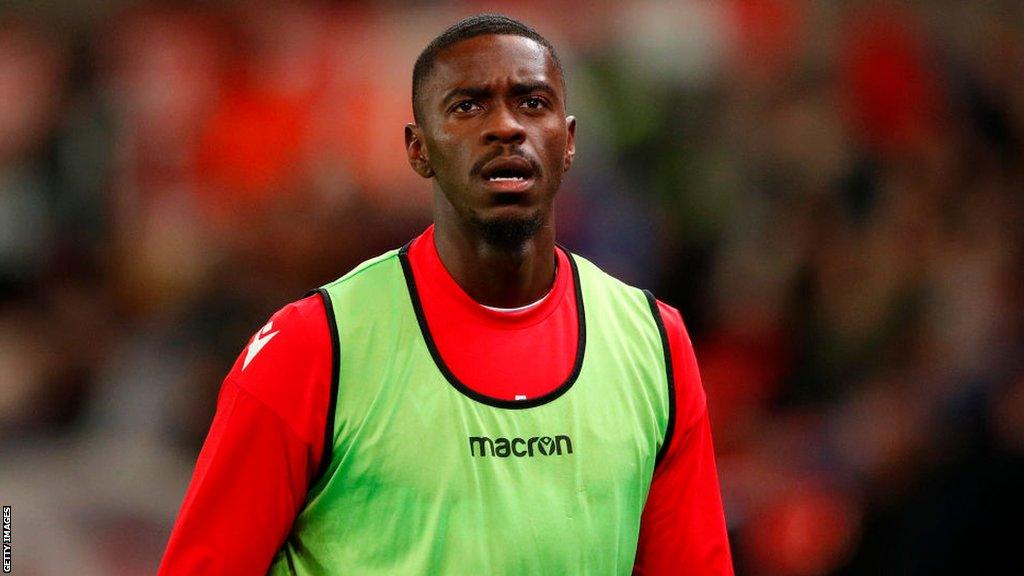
[(493, 133)]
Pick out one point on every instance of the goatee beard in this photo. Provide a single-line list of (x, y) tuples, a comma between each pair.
[(508, 234)]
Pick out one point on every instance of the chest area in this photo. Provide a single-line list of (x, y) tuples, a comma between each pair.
[(420, 435)]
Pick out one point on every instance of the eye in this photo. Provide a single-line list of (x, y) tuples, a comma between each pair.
[(534, 103), (464, 107)]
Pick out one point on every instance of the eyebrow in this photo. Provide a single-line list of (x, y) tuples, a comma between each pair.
[(481, 92), (475, 92), (523, 88)]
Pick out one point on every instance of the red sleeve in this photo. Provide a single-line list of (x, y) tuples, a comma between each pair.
[(262, 451), (682, 530)]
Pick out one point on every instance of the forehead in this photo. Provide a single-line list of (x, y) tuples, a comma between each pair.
[(492, 59)]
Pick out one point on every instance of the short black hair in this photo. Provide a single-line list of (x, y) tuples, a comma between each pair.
[(479, 25)]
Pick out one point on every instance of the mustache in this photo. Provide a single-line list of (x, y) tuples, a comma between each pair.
[(478, 167)]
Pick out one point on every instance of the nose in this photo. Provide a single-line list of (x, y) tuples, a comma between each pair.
[(503, 126)]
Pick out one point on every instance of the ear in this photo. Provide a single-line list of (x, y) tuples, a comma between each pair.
[(570, 146), (416, 151)]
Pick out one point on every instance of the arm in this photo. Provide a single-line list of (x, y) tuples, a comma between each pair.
[(262, 451), (682, 530)]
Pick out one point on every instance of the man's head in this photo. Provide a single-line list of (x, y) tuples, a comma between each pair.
[(491, 129)]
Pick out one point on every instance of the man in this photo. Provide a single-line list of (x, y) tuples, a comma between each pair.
[(478, 402)]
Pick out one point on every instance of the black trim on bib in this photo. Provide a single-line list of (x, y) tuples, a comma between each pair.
[(670, 426), (291, 562), (581, 343), (332, 325)]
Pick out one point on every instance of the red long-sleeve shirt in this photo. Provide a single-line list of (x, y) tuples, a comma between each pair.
[(271, 414)]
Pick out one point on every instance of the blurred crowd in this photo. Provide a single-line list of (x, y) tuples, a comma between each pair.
[(831, 192)]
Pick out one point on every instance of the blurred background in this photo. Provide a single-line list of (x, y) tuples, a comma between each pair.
[(830, 192)]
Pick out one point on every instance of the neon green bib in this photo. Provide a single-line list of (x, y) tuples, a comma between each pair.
[(426, 477)]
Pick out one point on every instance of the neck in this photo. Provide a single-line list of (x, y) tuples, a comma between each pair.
[(497, 276)]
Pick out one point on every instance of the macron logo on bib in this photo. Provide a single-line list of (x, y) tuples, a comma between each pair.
[(482, 446), (258, 342)]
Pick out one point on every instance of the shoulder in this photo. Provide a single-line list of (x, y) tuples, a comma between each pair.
[(287, 331), (369, 268), (672, 319), (690, 396), (603, 289), (586, 268), (372, 285), (286, 364)]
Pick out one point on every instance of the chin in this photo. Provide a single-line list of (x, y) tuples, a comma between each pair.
[(509, 231)]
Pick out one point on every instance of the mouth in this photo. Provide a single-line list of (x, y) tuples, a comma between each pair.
[(508, 174)]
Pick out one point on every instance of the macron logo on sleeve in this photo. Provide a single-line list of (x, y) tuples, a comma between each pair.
[(258, 342)]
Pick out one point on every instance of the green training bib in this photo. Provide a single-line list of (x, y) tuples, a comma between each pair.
[(427, 477)]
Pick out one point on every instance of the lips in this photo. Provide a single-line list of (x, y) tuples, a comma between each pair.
[(508, 174)]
